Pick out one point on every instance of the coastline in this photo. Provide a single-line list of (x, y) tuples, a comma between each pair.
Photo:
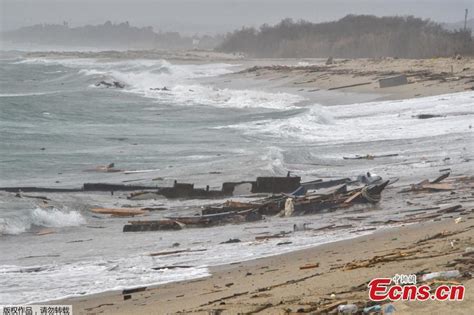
[(276, 283), (355, 80), (304, 294), (243, 287)]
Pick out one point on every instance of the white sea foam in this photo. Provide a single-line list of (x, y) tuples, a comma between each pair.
[(43, 283), (40, 217), (275, 159), (147, 77), (46, 282), (205, 95), (27, 94), (374, 121)]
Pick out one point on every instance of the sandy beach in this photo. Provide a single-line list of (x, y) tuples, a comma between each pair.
[(338, 272), (276, 285), (254, 157), (426, 77)]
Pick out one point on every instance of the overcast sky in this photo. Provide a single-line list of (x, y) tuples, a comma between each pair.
[(212, 16)]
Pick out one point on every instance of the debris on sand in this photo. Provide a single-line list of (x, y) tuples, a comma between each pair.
[(434, 185), (113, 84), (427, 116), (393, 81), (368, 156), (177, 252), (45, 232), (119, 211), (154, 225), (309, 266), (300, 202), (160, 89), (231, 241)]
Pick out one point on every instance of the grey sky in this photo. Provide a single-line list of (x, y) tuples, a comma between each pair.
[(211, 16)]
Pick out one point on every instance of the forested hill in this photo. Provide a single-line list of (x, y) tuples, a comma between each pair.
[(107, 35), (354, 36)]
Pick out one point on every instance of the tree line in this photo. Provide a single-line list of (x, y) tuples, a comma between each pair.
[(354, 36), (107, 35)]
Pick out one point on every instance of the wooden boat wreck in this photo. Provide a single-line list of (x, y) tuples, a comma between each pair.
[(340, 198), (232, 212), (177, 223)]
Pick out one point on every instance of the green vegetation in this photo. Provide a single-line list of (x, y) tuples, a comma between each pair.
[(354, 36)]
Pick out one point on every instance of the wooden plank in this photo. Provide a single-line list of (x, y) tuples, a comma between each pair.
[(440, 186), (119, 211), (351, 198), (348, 86), (309, 266), (177, 252)]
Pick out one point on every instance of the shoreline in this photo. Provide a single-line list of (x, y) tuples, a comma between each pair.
[(357, 80), (227, 288), (277, 283), (218, 286)]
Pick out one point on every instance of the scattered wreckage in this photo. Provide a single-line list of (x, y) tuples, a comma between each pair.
[(301, 201), (113, 84)]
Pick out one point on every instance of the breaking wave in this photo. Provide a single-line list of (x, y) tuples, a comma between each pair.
[(41, 218), (174, 84), (374, 121), (27, 94)]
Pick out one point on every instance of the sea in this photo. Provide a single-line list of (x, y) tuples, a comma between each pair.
[(56, 124)]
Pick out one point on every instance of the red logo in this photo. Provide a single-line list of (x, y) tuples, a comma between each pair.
[(381, 289)]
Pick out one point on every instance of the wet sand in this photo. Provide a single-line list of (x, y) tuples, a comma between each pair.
[(276, 285)]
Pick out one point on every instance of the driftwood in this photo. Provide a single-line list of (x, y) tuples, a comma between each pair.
[(177, 252), (368, 156), (318, 184), (134, 290), (85, 187), (114, 187), (156, 225), (434, 185), (21, 189), (177, 223), (348, 86), (427, 116), (45, 232), (170, 267), (309, 266), (340, 198), (119, 211), (266, 237), (456, 208)]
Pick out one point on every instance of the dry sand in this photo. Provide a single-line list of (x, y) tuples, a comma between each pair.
[(426, 77)]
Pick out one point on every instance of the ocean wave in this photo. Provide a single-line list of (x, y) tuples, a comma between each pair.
[(374, 121), (181, 90), (36, 283), (276, 163), (148, 78), (46, 282), (189, 95), (41, 218), (27, 94)]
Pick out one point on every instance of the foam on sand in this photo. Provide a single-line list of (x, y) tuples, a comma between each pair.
[(374, 121)]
